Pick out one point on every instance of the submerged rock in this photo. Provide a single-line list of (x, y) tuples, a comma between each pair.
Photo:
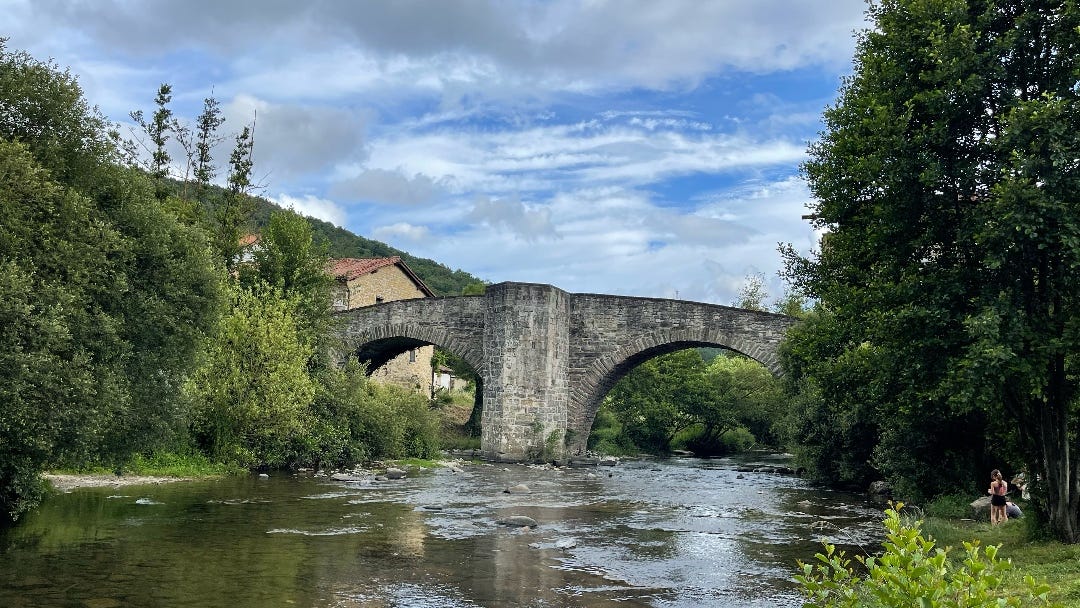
[(520, 521), (518, 489), (347, 477), (393, 473)]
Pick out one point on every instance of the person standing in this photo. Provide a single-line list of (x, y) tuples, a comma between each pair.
[(998, 488)]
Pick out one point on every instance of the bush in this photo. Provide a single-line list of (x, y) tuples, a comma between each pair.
[(607, 436), (950, 506), (912, 572), (731, 442)]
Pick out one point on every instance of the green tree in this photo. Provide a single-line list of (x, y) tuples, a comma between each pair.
[(289, 258), (206, 138), (253, 390), (157, 129), (650, 402), (57, 393), (228, 212), (752, 294), (947, 181), (474, 288), (741, 393), (106, 295), (43, 108)]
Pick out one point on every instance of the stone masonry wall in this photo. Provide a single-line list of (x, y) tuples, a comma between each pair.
[(526, 384), (547, 358)]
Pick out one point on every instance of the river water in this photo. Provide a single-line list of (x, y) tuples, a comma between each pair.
[(677, 532)]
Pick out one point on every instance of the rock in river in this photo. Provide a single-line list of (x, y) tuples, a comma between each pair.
[(519, 521)]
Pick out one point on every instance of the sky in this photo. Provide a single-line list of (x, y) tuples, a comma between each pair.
[(634, 147)]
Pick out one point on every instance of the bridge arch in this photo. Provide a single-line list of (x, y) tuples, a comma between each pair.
[(601, 376), (379, 344)]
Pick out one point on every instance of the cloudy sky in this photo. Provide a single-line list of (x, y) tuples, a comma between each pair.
[(638, 147)]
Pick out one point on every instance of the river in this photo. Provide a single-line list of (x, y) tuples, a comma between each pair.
[(679, 532)]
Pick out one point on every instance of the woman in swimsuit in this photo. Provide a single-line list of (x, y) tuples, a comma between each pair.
[(997, 491)]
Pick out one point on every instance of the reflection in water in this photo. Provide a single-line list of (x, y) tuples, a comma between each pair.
[(677, 533)]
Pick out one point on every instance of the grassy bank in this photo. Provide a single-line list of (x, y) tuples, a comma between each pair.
[(1055, 563), (163, 464)]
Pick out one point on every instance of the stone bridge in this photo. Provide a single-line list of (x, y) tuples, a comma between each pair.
[(546, 357)]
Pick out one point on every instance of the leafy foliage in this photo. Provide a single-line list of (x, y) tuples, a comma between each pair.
[(106, 295), (360, 420), (678, 399), (253, 390), (912, 571), (947, 287), (290, 260)]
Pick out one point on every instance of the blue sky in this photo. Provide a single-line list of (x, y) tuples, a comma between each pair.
[(631, 147)]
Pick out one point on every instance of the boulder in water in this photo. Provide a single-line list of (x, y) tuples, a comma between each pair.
[(517, 521)]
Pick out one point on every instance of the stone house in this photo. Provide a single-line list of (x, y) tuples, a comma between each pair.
[(366, 281)]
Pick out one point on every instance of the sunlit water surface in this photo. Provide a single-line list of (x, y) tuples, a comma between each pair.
[(667, 533)]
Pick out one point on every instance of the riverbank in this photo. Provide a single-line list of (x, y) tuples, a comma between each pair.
[(66, 482), (1053, 562)]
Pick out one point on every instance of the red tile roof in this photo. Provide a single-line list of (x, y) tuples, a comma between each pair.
[(347, 269), (249, 239)]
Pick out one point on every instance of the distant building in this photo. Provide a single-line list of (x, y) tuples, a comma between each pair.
[(249, 244), (444, 378), (366, 281)]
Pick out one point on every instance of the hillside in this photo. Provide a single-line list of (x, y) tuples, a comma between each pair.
[(344, 244)]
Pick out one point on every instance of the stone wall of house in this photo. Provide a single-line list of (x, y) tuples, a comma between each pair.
[(389, 283)]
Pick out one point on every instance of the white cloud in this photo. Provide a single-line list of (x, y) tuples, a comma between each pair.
[(291, 140), (313, 206), (547, 157), (401, 231), (382, 186), (460, 48), (528, 222)]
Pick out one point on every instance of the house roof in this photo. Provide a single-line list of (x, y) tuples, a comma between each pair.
[(248, 240), (347, 269)]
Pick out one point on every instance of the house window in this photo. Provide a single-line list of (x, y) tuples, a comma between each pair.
[(378, 299), (412, 356)]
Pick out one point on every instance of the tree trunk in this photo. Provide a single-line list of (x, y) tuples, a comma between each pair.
[(1060, 470)]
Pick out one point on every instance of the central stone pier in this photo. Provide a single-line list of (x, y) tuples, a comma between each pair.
[(527, 379)]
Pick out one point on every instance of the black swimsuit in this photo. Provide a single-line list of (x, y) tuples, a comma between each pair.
[(998, 500)]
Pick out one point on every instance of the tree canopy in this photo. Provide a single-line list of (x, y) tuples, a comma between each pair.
[(106, 296), (947, 181)]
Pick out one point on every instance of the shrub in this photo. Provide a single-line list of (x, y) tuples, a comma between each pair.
[(731, 442), (912, 572), (950, 506)]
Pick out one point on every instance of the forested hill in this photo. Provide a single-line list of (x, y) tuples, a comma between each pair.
[(344, 244)]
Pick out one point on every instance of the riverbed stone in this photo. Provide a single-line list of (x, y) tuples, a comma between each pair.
[(348, 477), (395, 473), (518, 489), (517, 521), (880, 491)]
